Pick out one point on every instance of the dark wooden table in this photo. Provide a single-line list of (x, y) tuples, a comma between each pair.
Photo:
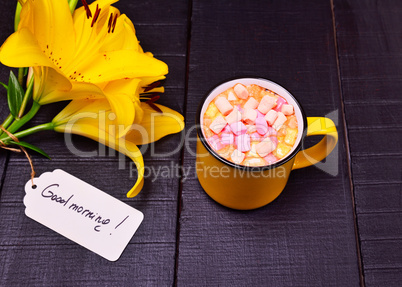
[(338, 225)]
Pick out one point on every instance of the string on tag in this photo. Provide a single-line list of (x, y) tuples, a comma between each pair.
[(21, 148)]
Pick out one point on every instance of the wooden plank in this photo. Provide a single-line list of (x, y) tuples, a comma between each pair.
[(371, 73), (72, 265), (371, 198), (306, 236), (149, 259)]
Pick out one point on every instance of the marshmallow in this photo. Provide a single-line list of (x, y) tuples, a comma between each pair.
[(287, 110), (234, 116), (251, 129), (218, 124), (232, 97), (237, 156), (241, 91), (215, 142), (227, 139), (259, 114), (238, 128), (254, 161), (261, 125), (279, 102), (249, 116), (271, 132), (227, 130), (267, 103), (271, 116), (270, 159), (251, 103), (256, 137), (243, 142), (265, 147), (280, 120), (223, 105)]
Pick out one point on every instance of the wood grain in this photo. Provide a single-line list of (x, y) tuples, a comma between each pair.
[(31, 254), (306, 236), (371, 72)]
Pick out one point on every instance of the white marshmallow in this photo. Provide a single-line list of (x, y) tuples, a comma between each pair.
[(267, 103), (232, 97), (234, 116), (271, 116), (241, 91), (218, 124), (223, 105), (251, 103), (265, 147), (249, 116), (280, 120), (237, 156), (287, 110)]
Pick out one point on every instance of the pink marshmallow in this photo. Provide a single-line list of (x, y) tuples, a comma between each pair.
[(249, 116), (218, 124), (223, 105), (265, 147), (227, 139), (270, 159), (279, 102), (241, 91), (262, 126), (237, 156), (238, 128), (259, 114), (267, 103), (256, 137), (271, 116), (234, 116), (251, 103), (243, 142), (280, 120), (215, 142), (287, 110)]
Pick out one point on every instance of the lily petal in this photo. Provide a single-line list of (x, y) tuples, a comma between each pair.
[(155, 125), (121, 64), (21, 50), (121, 145)]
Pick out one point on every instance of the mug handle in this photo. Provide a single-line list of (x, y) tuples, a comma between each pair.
[(316, 153)]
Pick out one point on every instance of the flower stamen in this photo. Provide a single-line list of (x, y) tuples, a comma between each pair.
[(109, 25), (114, 22), (152, 86), (151, 101), (96, 15), (87, 10)]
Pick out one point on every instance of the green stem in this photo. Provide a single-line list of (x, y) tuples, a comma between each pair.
[(6, 123), (18, 123), (21, 76), (26, 98), (24, 133)]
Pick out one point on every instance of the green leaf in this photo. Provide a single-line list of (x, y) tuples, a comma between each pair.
[(32, 147), (15, 94), (4, 85)]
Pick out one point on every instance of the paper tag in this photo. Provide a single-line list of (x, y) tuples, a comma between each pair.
[(82, 213)]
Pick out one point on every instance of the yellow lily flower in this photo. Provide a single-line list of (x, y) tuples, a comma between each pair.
[(78, 56), (94, 119)]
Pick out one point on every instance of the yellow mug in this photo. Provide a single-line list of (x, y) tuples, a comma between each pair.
[(244, 187)]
